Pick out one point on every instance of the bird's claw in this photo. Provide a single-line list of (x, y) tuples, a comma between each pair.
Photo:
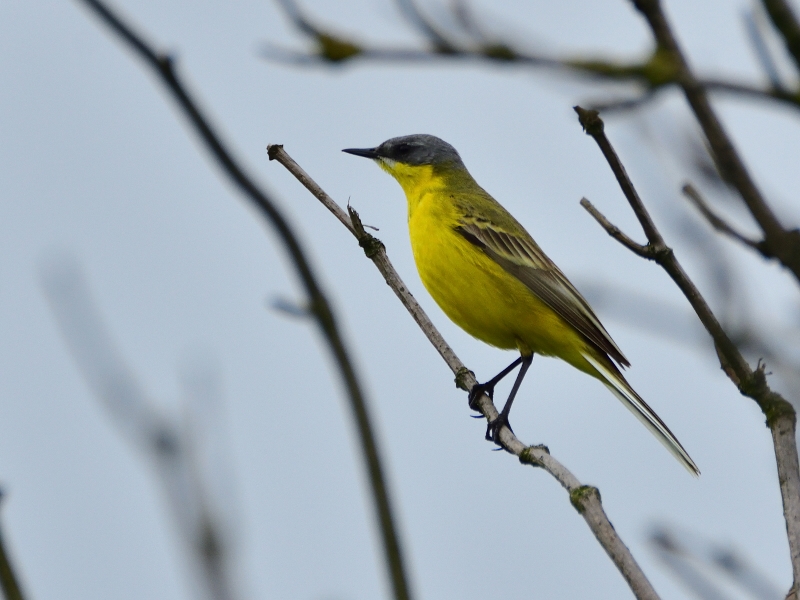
[(493, 428), (477, 391)]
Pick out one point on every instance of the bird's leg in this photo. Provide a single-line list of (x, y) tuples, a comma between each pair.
[(502, 419), (488, 387)]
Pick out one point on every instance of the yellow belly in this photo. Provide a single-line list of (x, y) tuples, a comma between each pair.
[(482, 298)]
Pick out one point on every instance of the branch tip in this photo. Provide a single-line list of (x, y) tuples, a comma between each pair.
[(273, 149), (590, 120)]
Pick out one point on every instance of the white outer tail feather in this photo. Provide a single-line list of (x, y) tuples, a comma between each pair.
[(644, 413)]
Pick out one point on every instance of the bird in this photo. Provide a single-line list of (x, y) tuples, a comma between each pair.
[(492, 279)]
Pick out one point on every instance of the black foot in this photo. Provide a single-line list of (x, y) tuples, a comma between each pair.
[(477, 391), (494, 427)]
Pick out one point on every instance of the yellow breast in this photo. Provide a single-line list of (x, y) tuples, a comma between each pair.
[(472, 289)]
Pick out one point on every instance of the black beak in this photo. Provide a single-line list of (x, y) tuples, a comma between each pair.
[(365, 152)]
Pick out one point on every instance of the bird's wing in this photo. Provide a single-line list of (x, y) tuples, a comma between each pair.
[(521, 257)]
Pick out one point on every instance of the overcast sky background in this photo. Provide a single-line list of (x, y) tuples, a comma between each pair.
[(96, 164)]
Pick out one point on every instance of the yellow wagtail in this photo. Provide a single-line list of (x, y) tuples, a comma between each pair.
[(489, 276)]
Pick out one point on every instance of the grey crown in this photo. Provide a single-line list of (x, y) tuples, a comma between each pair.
[(418, 149)]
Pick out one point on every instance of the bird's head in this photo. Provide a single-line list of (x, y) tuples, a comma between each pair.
[(413, 159)]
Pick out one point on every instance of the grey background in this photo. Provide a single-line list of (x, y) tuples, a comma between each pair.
[(94, 164)]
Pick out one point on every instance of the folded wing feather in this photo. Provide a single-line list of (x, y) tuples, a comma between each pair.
[(521, 257)]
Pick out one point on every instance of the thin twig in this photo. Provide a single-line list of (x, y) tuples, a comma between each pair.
[(616, 232), (9, 582), (755, 33), (163, 66), (780, 414), (593, 125), (717, 222), (779, 242), (585, 499), (626, 104), (441, 43), (785, 21), (695, 560)]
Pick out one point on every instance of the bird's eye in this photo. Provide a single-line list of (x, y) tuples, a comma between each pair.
[(403, 149)]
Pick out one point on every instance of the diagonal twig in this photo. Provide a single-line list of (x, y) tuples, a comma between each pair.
[(754, 28), (780, 415), (440, 42), (785, 21), (163, 66), (700, 564), (717, 222), (585, 499)]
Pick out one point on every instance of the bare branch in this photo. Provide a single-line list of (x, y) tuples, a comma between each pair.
[(742, 89), (700, 564), (650, 73), (785, 21), (9, 582), (753, 26), (616, 232), (715, 220), (626, 104), (780, 414), (593, 125), (585, 499), (330, 47), (163, 66), (779, 242), (414, 15)]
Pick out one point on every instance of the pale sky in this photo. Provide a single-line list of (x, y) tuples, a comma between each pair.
[(97, 166)]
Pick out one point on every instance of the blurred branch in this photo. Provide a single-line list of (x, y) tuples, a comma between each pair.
[(778, 242), (440, 42), (8, 579), (173, 452), (652, 73), (585, 499), (163, 66), (780, 414), (716, 221), (785, 21), (757, 39), (697, 563)]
